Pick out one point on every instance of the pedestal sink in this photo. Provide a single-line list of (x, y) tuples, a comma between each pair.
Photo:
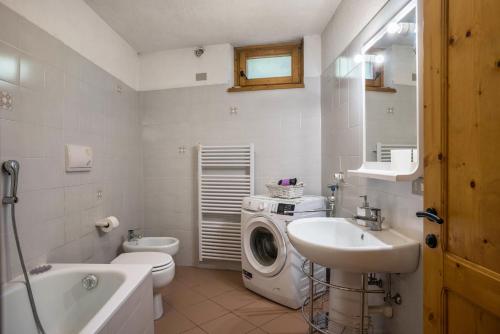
[(352, 251), (341, 244)]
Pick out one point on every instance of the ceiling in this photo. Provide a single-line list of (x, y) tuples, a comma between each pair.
[(154, 25), (401, 39)]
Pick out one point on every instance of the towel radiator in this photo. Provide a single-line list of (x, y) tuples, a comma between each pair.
[(225, 176), (384, 150)]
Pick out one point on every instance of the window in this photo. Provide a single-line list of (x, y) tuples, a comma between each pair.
[(374, 72), (274, 66)]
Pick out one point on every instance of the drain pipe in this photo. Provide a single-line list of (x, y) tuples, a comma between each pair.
[(385, 310)]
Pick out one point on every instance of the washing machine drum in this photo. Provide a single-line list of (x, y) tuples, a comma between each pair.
[(264, 246)]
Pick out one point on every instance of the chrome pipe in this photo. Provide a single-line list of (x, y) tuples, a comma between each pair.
[(311, 297), (363, 301)]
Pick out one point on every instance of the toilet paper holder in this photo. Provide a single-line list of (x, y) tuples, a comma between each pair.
[(107, 224), (102, 223)]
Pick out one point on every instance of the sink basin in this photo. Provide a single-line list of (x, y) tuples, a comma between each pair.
[(340, 243), (167, 245)]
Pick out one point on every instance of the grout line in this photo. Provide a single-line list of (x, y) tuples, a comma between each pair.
[(255, 297)]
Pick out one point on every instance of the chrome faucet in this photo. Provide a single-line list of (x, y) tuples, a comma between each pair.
[(330, 204), (374, 220), (372, 216), (133, 236)]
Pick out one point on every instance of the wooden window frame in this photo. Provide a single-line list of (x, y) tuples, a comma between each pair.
[(377, 84), (241, 54)]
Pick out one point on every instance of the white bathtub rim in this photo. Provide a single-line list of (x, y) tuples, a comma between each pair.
[(135, 274)]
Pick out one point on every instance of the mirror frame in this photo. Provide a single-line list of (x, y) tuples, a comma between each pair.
[(382, 170)]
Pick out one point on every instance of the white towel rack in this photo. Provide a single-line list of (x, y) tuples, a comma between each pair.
[(225, 176)]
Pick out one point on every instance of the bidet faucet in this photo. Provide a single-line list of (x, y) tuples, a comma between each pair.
[(133, 236)]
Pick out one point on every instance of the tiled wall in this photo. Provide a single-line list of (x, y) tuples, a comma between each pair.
[(341, 121), (58, 98), (284, 125), (397, 127)]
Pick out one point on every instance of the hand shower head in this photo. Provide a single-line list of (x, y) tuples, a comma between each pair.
[(11, 167)]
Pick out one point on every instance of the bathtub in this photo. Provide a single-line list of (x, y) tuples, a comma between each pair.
[(123, 295)]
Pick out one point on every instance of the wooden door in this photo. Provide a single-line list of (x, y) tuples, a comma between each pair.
[(462, 165)]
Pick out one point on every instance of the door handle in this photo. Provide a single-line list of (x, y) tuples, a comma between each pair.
[(431, 214)]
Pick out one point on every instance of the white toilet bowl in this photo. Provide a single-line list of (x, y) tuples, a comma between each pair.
[(168, 245), (163, 271)]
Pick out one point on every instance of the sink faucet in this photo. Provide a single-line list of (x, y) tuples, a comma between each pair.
[(374, 219), (373, 216), (133, 236)]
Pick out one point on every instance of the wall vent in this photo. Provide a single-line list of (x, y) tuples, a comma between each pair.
[(201, 76)]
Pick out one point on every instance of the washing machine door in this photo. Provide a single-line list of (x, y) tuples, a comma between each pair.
[(264, 246)]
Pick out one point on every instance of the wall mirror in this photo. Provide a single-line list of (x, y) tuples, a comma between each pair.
[(391, 99)]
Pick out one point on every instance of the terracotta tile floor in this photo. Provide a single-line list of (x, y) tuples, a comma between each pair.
[(205, 301)]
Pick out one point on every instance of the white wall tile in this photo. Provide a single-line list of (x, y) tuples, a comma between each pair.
[(342, 150), (284, 126), (63, 98)]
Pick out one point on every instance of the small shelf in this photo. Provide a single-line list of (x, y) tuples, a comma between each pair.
[(382, 171)]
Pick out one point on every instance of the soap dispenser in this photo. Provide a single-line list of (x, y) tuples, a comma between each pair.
[(363, 210)]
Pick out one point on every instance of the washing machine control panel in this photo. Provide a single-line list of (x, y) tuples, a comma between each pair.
[(262, 204), (256, 205), (251, 204), (282, 207)]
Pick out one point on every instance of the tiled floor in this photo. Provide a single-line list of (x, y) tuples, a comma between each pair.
[(201, 301)]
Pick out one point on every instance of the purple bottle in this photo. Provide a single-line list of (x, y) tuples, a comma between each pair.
[(287, 182)]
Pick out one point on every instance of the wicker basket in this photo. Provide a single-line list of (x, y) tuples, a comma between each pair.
[(286, 191)]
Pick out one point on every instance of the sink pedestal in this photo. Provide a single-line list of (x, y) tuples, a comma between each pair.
[(345, 306)]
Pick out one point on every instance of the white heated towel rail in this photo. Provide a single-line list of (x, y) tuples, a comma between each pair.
[(225, 176), (384, 150)]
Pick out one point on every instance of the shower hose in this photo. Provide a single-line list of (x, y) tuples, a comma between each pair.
[(23, 266)]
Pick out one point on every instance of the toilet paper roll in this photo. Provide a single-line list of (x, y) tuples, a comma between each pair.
[(108, 224)]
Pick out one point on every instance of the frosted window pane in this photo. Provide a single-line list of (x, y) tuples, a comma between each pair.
[(269, 67), (369, 71)]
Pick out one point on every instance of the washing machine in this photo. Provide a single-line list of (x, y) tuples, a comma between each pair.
[(271, 266)]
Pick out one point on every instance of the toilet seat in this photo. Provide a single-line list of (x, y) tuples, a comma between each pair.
[(165, 267), (159, 261)]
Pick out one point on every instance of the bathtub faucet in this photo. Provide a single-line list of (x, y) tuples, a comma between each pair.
[(133, 236)]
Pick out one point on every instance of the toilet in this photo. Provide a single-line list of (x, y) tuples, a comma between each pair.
[(163, 271)]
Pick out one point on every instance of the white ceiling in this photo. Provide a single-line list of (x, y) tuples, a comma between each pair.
[(154, 25)]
